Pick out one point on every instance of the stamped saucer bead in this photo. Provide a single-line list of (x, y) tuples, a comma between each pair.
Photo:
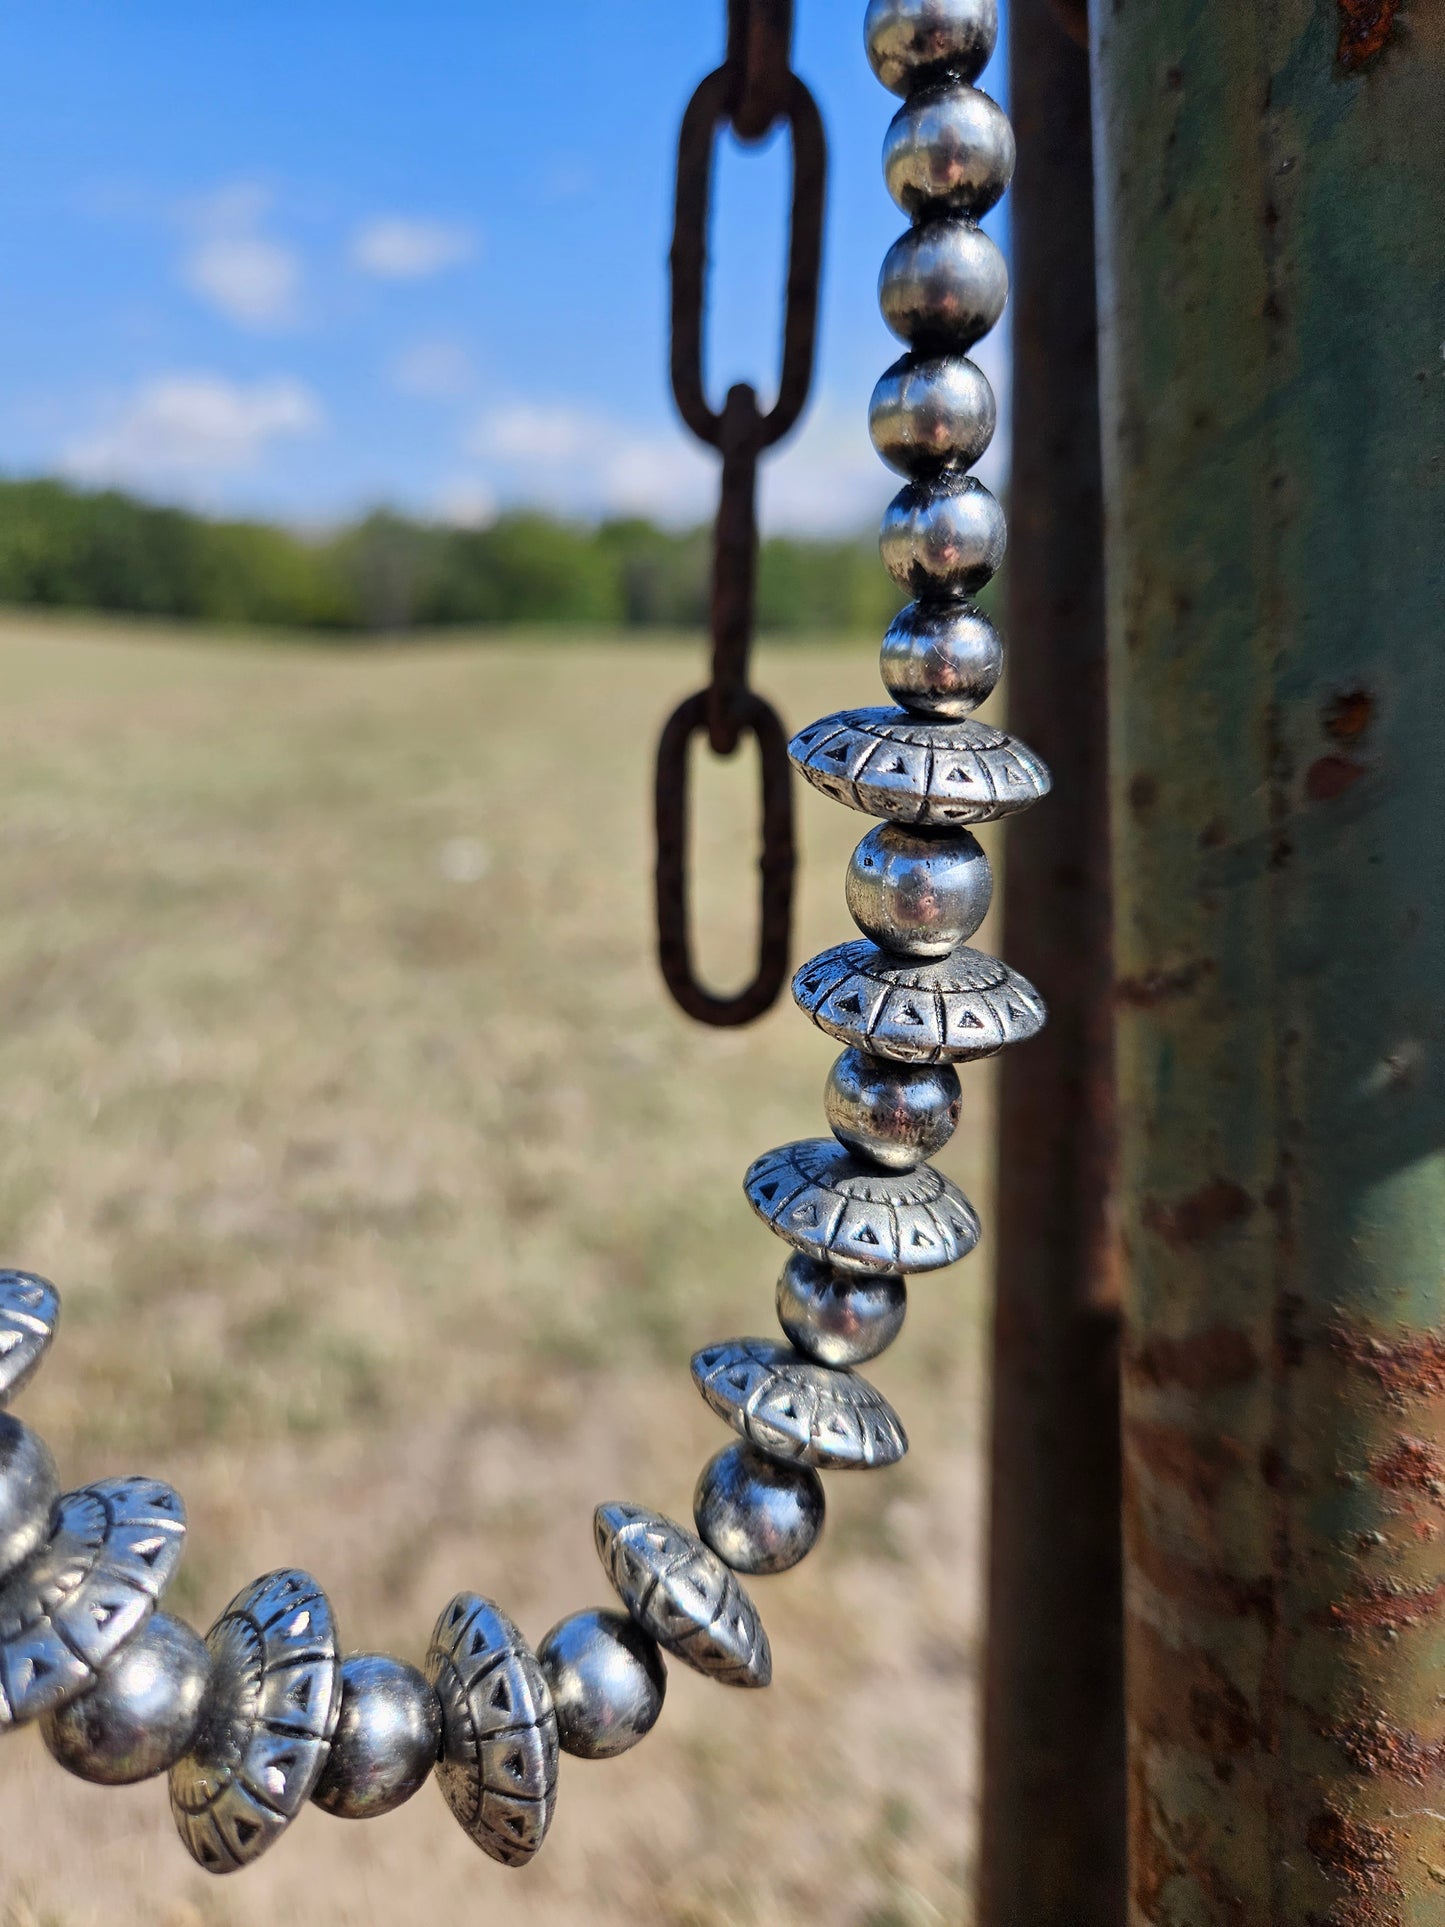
[(607, 1679), (143, 1712), (680, 1592), (29, 1313), (386, 1741)]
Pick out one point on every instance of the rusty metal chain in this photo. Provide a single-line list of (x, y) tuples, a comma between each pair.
[(753, 90)]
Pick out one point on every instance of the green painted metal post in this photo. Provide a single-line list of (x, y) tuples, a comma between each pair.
[(1272, 237)]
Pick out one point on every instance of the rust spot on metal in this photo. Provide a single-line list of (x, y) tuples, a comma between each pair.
[(1360, 1855), (1198, 1465), (1158, 986), (1192, 1220), (1207, 1361), (1382, 1608), (1211, 1589), (1365, 27), (1331, 776), (1407, 1368), (1143, 793), (1411, 1465), (1382, 1751), (1348, 715)]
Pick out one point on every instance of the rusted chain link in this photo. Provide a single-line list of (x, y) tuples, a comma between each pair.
[(751, 92)]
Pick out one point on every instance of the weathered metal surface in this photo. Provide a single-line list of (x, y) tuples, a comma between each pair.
[(1053, 1832), (1272, 194)]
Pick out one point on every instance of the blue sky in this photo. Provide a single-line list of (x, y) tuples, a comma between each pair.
[(295, 257)]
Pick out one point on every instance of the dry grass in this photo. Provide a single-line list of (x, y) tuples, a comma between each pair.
[(389, 1197)]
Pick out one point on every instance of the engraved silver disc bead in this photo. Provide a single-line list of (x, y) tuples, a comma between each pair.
[(941, 658), (682, 1594), (943, 539), (791, 1408), (607, 1679), (943, 285), (29, 1313), (910, 41), (499, 1755), (142, 1713), (29, 1489), (113, 1549), (894, 1114), (386, 1742), (949, 149), (271, 1709), (930, 412), (911, 769), (839, 1317), (759, 1515), (918, 893), (960, 1010), (828, 1202)]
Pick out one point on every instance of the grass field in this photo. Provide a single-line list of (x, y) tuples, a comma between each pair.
[(389, 1197)]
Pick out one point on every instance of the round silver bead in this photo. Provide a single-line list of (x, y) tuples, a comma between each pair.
[(758, 1514), (943, 285), (932, 412), (909, 41), (949, 149), (386, 1740), (142, 1713), (895, 1114), (943, 539), (607, 1680), (29, 1488), (839, 1318), (920, 894), (941, 658)]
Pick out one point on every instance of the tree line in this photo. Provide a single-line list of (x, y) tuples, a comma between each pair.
[(67, 548)]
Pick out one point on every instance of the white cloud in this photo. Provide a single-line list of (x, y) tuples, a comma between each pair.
[(467, 504), (237, 268), (581, 461), (191, 426), (395, 248), (434, 370)]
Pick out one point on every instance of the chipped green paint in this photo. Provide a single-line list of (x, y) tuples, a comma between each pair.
[(1272, 237)]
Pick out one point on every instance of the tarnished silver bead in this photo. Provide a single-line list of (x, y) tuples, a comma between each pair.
[(29, 1489), (386, 1741), (943, 285), (910, 40), (949, 149), (943, 538), (912, 769), (142, 1713), (827, 1202), (499, 1754), (930, 412), (113, 1549), (964, 1008), (607, 1680), (791, 1408), (682, 1594), (29, 1313), (918, 893), (839, 1318), (941, 659), (759, 1515), (895, 1114), (271, 1709)]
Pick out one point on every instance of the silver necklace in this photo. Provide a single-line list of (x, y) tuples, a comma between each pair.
[(265, 1715)]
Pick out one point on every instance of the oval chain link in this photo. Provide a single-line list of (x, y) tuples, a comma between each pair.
[(753, 90)]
